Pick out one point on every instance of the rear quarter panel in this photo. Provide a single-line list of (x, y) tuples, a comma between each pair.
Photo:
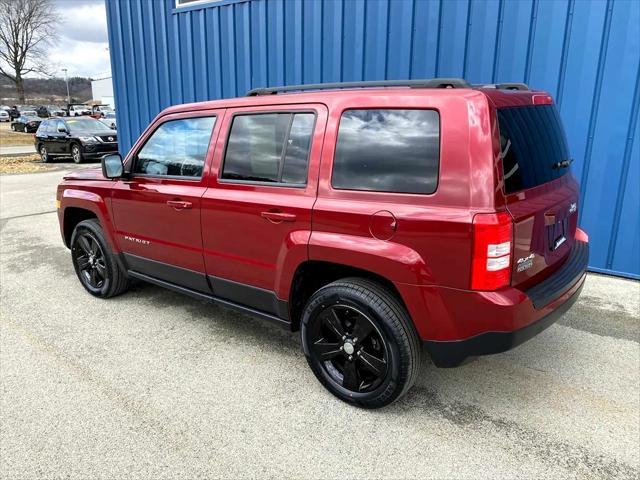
[(432, 241)]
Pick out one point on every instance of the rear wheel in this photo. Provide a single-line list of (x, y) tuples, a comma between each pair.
[(76, 153), (96, 266), (360, 342), (44, 155)]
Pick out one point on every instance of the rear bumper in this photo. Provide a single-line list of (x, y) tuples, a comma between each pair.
[(454, 353), (458, 324)]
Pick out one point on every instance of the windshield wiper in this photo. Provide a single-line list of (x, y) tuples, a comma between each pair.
[(562, 164)]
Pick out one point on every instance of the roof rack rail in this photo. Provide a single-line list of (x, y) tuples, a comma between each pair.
[(506, 86), (427, 83)]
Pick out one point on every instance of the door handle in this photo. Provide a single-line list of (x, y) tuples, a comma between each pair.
[(277, 217), (179, 204)]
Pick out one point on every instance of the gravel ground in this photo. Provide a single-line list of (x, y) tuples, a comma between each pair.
[(155, 385)]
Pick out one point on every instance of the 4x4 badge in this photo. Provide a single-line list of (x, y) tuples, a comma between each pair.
[(525, 262), (573, 207)]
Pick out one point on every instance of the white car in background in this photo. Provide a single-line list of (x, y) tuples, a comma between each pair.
[(110, 119), (78, 110), (4, 116)]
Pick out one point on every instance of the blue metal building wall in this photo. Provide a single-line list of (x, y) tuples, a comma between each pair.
[(585, 53)]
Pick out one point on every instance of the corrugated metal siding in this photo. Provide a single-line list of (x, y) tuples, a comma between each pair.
[(586, 53)]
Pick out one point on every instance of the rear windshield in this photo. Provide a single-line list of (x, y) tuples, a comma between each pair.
[(532, 144)]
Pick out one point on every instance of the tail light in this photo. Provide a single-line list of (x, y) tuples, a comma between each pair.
[(491, 262)]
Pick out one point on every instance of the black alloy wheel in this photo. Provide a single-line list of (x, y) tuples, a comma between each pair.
[(360, 342), (89, 260), (350, 348), (97, 267)]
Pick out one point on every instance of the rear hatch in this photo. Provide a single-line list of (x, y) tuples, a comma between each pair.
[(540, 192)]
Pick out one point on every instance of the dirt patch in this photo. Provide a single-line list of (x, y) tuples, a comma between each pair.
[(9, 138), (23, 164)]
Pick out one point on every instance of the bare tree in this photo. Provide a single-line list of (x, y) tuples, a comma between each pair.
[(27, 27)]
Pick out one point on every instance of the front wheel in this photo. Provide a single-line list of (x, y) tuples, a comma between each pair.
[(97, 267), (360, 342), (76, 154)]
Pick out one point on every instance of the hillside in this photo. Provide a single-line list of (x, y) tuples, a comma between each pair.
[(46, 90)]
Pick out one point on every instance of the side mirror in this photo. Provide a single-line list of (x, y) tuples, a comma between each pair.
[(112, 166), (62, 129)]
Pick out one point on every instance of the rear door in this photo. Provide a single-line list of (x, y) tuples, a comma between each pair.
[(58, 141), (256, 215), (540, 191)]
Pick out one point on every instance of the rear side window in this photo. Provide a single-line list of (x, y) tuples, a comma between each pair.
[(43, 128), (532, 144), (388, 151), (269, 147), (177, 148)]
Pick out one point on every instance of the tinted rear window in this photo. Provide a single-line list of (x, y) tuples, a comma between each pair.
[(388, 151), (269, 147), (532, 142)]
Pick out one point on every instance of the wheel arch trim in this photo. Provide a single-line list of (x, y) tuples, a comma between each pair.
[(85, 200), (392, 261)]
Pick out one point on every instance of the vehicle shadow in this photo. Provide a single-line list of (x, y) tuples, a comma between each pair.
[(225, 323), (488, 380)]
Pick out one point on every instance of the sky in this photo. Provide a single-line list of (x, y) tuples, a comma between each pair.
[(82, 46)]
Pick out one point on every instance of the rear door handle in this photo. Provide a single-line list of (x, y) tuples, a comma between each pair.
[(179, 204), (277, 217)]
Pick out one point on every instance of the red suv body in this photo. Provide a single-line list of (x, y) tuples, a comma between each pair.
[(453, 210)]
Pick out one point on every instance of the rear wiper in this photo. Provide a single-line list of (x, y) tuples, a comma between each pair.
[(562, 164)]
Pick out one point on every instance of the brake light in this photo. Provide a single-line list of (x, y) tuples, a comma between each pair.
[(542, 99), (491, 262)]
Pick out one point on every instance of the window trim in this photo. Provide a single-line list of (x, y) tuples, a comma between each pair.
[(292, 112), (134, 158), (200, 4), (385, 192)]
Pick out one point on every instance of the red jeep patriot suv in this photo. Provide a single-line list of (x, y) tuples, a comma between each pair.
[(377, 218)]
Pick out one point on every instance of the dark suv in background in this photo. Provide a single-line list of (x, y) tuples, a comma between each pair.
[(25, 123), (79, 138)]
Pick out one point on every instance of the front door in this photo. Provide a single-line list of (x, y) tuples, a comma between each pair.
[(256, 215), (157, 206)]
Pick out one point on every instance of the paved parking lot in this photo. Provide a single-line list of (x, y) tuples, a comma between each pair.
[(155, 385)]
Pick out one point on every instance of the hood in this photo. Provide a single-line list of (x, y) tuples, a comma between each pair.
[(86, 174)]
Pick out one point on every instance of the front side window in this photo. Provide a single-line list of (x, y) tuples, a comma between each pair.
[(177, 148), (388, 151), (86, 125), (269, 147)]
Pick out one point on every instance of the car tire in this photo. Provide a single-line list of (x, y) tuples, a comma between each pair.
[(76, 153), (97, 267), (44, 154), (371, 371)]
